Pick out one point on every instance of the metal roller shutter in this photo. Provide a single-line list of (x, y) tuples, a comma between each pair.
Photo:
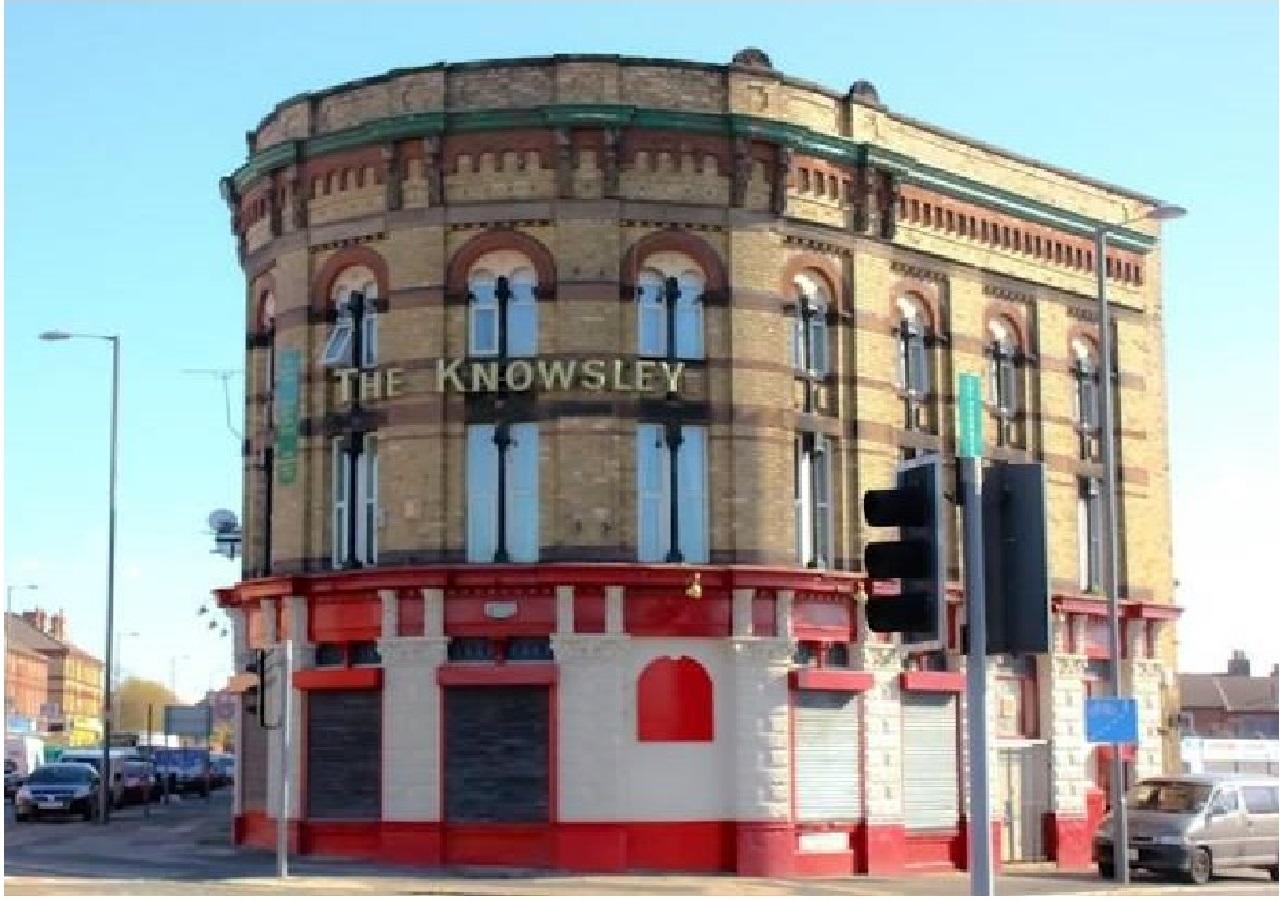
[(828, 756), (497, 754), (251, 746), (930, 761), (344, 754)]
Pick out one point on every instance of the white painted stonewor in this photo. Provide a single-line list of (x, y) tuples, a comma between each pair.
[(411, 727), (239, 644), (1062, 696), (882, 715), (678, 781), (760, 734), (592, 725), (1142, 678)]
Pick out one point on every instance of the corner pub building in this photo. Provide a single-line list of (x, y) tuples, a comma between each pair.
[(565, 376)]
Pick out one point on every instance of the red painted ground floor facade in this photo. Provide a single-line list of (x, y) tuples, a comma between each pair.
[(607, 719)]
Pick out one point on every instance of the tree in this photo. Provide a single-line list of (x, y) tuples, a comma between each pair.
[(131, 701)]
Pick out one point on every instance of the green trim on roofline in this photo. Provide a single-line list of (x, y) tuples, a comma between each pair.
[(797, 137)]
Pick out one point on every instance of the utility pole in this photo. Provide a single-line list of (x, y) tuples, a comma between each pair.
[(282, 817)]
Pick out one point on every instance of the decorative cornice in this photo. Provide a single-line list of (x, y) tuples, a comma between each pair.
[(793, 137)]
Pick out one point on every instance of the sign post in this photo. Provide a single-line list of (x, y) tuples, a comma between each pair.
[(969, 466), (282, 817)]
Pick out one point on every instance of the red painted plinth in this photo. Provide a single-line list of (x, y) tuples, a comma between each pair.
[(410, 843), (764, 849), (1068, 840), (591, 847), (884, 849)]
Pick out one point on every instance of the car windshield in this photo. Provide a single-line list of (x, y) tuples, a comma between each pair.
[(59, 775), (1169, 796)]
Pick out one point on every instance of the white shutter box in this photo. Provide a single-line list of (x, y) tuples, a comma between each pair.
[(828, 756), (930, 760)]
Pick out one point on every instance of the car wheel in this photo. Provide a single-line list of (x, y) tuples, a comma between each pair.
[(21, 817), (87, 815), (1274, 872), (1106, 870), (1201, 866)]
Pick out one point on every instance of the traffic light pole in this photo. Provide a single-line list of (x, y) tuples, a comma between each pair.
[(980, 866), (282, 817)]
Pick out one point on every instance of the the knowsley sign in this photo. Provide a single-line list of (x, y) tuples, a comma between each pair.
[(485, 376)]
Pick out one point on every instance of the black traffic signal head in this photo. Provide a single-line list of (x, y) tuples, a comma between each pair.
[(252, 696), (1016, 559), (918, 559)]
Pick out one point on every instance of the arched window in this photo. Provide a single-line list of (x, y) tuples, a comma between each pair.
[(1006, 388), (674, 701), (267, 328), (354, 295), (809, 339), (914, 375), (502, 303), (1084, 370), (669, 288)]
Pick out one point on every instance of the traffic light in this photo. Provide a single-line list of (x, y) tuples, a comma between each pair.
[(1016, 555), (918, 558), (253, 697)]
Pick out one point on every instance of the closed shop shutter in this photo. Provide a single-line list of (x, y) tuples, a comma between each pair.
[(251, 745), (930, 761), (828, 756), (497, 754), (344, 754)]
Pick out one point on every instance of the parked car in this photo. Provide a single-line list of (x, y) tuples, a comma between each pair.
[(139, 781), (1190, 825), (13, 779), (186, 769), (223, 769), (58, 789)]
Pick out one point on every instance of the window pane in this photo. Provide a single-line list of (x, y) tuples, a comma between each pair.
[(821, 503), (692, 463), (651, 490), (328, 655), (337, 350), (340, 484), (651, 325), (818, 342), (522, 316), (369, 337), (484, 331), (367, 540), (365, 653), (803, 504), (522, 493), (689, 317), (482, 495)]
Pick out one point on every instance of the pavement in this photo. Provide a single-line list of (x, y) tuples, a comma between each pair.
[(185, 848)]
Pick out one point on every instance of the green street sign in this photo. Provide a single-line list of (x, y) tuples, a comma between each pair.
[(969, 409), (287, 396)]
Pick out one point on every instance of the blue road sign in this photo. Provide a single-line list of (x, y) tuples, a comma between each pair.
[(1111, 720)]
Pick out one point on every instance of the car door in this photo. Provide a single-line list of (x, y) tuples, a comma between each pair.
[(1224, 830), (1262, 807)]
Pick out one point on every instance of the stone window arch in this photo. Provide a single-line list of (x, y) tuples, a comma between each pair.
[(669, 310), (502, 305)]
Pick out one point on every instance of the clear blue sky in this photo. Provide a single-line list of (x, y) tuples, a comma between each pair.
[(120, 119)]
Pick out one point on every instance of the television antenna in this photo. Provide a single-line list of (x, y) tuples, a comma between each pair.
[(225, 376)]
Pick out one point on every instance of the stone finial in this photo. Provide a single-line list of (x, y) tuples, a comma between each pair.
[(865, 90), (753, 58)]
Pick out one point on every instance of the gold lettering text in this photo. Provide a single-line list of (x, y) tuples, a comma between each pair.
[(672, 373), (519, 375), (447, 374), (395, 382), (345, 378), (484, 376), (593, 374), (556, 373)]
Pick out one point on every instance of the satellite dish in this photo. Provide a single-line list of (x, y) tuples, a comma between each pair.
[(223, 520)]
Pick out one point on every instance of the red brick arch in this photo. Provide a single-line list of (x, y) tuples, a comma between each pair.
[(672, 240), (1014, 315), (926, 292), (347, 257), (828, 269), (544, 264)]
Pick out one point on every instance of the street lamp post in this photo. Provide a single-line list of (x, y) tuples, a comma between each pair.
[(8, 593), (104, 802), (1111, 568)]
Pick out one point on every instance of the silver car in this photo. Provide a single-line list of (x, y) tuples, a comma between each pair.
[(1190, 825)]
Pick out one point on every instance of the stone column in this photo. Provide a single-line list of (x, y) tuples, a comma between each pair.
[(762, 755), (884, 837), (593, 718), (1141, 678), (1062, 707)]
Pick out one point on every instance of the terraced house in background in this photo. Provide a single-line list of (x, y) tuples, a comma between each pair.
[(565, 378)]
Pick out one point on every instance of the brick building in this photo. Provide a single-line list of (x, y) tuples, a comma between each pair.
[(1231, 704), (70, 678), (565, 378)]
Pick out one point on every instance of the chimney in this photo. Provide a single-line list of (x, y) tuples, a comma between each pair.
[(42, 620), (58, 626), (1238, 664), (32, 617)]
